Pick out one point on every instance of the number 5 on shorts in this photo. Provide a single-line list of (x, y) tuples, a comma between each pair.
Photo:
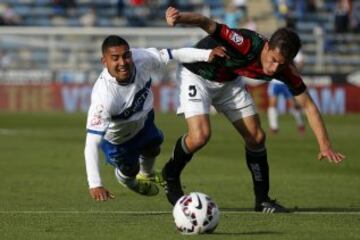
[(192, 91)]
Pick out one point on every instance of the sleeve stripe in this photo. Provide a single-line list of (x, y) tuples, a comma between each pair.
[(169, 52), (95, 132)]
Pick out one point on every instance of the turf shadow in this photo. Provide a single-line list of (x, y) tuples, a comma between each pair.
[(252, 233)]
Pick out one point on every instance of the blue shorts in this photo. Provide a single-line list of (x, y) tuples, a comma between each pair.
[(128, 152), (277, 89)]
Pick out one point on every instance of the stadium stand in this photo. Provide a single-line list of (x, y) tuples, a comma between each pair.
[(30, 41), (327, 46)]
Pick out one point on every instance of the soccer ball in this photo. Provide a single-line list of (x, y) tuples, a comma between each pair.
[(196, 213)]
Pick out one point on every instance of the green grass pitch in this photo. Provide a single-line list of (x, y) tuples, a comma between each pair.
[(43, 189)]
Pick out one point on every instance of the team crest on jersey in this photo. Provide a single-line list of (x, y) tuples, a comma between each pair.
[(236, 38), (99, 109), (96, 119)]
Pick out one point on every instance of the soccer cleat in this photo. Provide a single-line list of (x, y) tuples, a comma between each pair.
[(172, 187), (301, 130), (156, 177), (270, 206), (146, 188), (274, 131)]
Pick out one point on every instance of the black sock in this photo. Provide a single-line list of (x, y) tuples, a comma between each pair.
[(259, 168), (179, 160)]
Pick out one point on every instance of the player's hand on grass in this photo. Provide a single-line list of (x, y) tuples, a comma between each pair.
[(100, 194), (172, 15), (219, 51), (331, 155)]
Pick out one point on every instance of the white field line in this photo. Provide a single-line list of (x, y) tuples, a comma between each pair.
[(169, 212), (22, 132), (87, 212), (5, 131)]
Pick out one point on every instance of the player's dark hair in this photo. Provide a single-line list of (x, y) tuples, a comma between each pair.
[(287, 41), (113, 41)]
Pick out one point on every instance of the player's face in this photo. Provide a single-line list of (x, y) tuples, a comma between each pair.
[(272, 60), (118, 61)]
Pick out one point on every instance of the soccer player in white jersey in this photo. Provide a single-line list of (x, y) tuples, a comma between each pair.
[(121, 117), (277, 89)]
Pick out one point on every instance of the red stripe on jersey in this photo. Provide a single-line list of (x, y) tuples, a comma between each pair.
[(235, 39)]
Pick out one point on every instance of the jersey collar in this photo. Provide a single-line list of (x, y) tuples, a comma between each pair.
[(130, 81)]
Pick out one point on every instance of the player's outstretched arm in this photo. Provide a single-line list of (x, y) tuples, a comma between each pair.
[(190, 55), (91, 152), (317, 125), (174, 16)]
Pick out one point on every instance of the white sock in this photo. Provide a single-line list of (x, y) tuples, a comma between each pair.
[(298, 117), (146, 165), (273, 118), (126, 181)]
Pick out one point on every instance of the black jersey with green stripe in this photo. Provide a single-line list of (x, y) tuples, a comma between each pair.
[(244, 48)]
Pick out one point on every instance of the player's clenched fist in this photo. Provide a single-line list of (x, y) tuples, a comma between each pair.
[(172, 15), (219, 51)]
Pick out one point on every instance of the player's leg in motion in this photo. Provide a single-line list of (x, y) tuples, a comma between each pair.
[(256, 156), (295, 110), (195, 102), (137, 154), (149, 148), (146, 165), (147, 162), (256, 159), (197, 136), (126, 176), (273, 115)]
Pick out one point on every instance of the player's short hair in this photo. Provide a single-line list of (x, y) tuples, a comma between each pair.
[(287, 41), (113, 41)]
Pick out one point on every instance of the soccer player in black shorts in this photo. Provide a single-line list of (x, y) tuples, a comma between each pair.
[(204, 84)]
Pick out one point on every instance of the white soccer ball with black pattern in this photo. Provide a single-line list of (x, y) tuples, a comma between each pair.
[(196, 213)]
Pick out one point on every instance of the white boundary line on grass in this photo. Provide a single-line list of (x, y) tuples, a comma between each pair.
[(169, 212), (87, 212)]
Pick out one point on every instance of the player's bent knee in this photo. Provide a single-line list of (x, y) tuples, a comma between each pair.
[(129, 170), (151, 152), (256, 141), (198, 140)]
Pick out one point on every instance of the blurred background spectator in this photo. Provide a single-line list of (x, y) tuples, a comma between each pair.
[(138, 13), (233, 15), (64, 7), (8, 16), (89, 18), (343, 14)]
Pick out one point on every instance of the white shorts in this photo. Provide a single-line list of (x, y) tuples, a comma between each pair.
[(198, 94)]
